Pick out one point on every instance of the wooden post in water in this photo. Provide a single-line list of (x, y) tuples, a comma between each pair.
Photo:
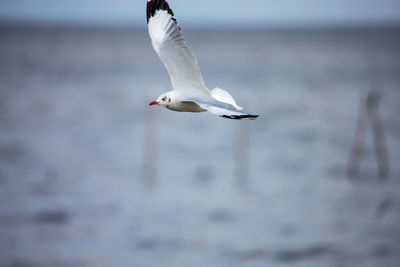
[(369, 113), (151, 148), (381, 155), (242, 153)]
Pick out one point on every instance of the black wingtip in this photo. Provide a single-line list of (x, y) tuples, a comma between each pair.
[(239, 117), (154, 5)]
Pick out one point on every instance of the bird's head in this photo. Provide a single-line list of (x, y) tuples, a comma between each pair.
[(163, 100)]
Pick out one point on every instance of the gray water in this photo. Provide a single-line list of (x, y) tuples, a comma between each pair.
[(90, 175)]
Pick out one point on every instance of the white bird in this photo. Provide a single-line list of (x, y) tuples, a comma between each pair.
[(189, 93)]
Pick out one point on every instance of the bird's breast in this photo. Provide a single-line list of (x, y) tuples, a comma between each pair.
[(185, 107)]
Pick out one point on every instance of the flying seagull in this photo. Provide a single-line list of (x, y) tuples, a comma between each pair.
[(189, 93)]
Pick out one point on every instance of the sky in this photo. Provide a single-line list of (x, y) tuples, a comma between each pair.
[(206, 12)]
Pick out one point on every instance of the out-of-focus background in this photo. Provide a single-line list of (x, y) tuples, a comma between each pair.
[(90, 175)]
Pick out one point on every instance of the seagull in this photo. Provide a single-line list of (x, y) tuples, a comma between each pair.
[(189, 94)]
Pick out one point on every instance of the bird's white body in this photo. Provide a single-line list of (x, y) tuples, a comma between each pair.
[(190, 93), (175, 100)]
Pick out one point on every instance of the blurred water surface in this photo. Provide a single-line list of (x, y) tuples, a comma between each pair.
[(90, 175)]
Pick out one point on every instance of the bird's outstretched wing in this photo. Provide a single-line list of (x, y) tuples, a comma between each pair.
[(168, 42)]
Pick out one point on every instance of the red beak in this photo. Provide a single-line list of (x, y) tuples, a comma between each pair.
[(153, 103)]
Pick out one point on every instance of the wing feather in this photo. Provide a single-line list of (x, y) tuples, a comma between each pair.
[(221, 109), (169, 43)]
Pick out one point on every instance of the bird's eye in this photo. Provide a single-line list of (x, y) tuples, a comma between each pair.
[(164, 98)]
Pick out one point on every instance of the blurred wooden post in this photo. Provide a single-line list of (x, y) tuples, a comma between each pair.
[(368, 112), (151, 148), (242, 153), (358, 143), (372, 103)]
